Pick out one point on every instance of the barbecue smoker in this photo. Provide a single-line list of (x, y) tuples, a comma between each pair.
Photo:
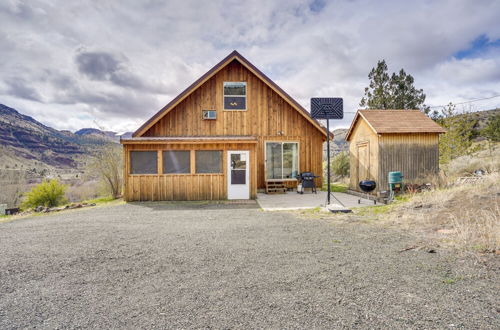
[(367, 186), (306, 180)]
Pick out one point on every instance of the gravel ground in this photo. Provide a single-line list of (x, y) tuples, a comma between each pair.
[(157, 265)]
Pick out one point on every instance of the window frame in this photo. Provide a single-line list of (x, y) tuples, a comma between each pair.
[(265, 160), (142, 174), (224, 96), (221, 162)]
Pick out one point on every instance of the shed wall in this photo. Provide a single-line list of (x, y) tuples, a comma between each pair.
[(360, 169), (415, 155)]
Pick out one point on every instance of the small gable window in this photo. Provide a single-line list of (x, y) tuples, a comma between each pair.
[(235, 95)]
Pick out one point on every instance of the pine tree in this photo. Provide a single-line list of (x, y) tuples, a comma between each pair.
[(377, 95), (492, 131), (458, 137), (404, 94), (392, 92)]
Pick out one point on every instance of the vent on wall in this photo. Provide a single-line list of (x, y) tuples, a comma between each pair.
[(209, 114)]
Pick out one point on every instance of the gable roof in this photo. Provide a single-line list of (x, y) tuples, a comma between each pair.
[(396, 121), (219, 66)]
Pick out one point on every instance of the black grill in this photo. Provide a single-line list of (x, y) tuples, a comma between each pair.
[(306, 179), (367, 185)]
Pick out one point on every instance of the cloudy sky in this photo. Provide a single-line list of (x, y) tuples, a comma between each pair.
[(113, 64)]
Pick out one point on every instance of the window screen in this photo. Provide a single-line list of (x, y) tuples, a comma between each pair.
[(208, 161), (143, 162), (235, 95), (177, 161)]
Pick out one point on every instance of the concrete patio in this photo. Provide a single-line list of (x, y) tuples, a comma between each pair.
[(294, 201)]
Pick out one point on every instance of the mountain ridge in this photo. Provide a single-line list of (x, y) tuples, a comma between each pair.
[(26, 142)]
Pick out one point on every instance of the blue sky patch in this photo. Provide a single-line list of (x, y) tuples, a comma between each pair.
[(478, 46), (317, 5)]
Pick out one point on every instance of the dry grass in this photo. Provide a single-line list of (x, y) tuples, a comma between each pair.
[(485, 159), (465, 216)]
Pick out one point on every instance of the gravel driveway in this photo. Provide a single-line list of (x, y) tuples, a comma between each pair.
[(156, 265)]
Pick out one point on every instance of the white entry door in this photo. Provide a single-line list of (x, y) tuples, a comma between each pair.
[(238, 183)]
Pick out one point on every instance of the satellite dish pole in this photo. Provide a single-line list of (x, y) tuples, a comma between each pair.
[(328, 108)]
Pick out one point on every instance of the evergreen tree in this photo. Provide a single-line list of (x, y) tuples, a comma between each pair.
[(392, 92), (404, 94), (457, 140), (492, 129), (377, 94)]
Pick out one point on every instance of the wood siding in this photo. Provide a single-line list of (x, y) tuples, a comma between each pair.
[(415, 155), (155, 187), (363, 143), (269, 117)]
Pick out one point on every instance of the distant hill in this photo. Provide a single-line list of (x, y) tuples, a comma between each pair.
[(27, 143), (104, 135), (482, 117), (338, 143)]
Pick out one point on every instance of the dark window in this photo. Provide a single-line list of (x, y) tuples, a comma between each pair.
[(143, 162), (178, 161), (235, 94), (208, 161)]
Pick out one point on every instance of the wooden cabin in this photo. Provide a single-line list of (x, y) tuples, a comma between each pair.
[(231, 133), (382, 141)]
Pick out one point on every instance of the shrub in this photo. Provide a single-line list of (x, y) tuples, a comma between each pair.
[(107, 163), (340, 164), (49, 193)]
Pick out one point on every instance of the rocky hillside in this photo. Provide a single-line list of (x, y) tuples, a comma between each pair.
[(27, 143), (338, 143)]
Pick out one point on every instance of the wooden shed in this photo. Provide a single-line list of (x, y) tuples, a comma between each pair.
[(229, 134), (382, 141)]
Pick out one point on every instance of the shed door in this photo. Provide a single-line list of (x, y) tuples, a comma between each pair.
[(363, 161)]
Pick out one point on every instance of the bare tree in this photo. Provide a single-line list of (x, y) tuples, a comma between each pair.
[(14, 184), (107, 163)]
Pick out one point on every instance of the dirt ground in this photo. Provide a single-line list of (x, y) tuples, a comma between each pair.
[(161, 265)]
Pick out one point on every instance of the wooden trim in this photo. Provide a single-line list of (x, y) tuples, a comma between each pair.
[(233, 56), (160, 162), (191, 142), (192, 162), (353, 124)]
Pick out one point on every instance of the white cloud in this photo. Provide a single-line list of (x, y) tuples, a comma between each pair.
[(157, 48)]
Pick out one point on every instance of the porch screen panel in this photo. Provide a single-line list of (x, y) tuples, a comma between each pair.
[(143, 162), (176, 161), (290, 160), (274, 161), (208, 161)]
